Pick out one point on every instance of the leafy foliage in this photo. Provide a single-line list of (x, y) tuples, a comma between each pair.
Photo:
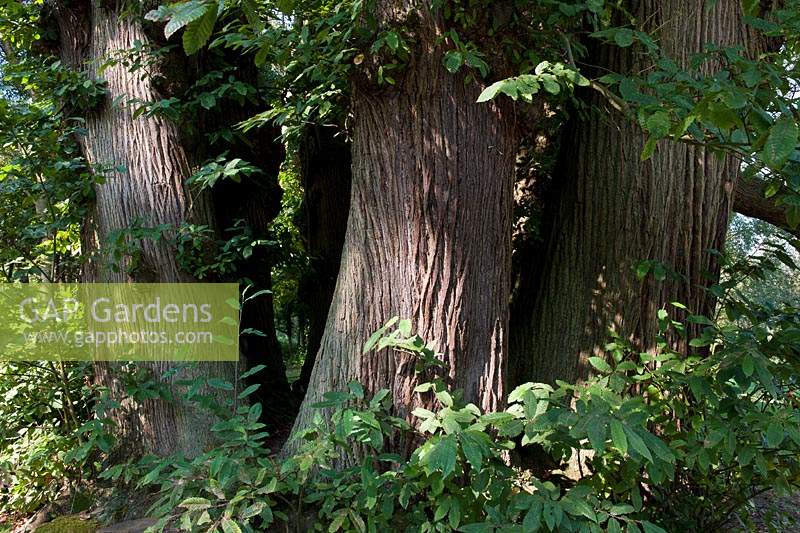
[(659, 440), (662, 441)]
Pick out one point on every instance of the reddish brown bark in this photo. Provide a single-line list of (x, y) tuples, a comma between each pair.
[(148, 189), (615, 210), (749, 200), (428, 236)]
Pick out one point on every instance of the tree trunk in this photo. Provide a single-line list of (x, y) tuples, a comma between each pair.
[(615, 210), (428, 235), (150, 191), (326, 176)]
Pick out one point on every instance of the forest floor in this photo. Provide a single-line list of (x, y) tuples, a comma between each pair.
[(769, 514), (774, 513)]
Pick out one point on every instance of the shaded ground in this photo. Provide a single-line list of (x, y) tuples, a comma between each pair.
[(770, 513)]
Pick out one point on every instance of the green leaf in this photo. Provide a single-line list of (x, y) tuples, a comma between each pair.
[(254, 370), (393, 40), (357, 521), (229, 526), (618, 437), (338, 521), (533, 519), (476, 445), (600, 364), (207, 100), (649, 527), (699, 319), (699, 342), (379, 333), (453, 61), (637, 443), (285, 6), (183, 14), (195, 504), (220, 384), (551, 86), (621, 509), (596, 430), (658, 124), (595, 6), (442, 455), (577, 507), (649, 149), (249, 390), (199, 31), (775, 434), (253, 510), (747, 365), (782, 141), (623, 37), (490, 92)]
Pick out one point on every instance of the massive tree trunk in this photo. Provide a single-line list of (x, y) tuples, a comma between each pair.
[(147, 187), (428, 235), (326, 175), (615, 210)]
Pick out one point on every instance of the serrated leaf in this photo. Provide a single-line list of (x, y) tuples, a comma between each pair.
[(649, 527), (600, 364), (596, 431), (658, 124), (775, 434), (475, 445), (453, 61), (249, 390), (636, 443), (577, 507), (649, 149), (490, 92), (185, 13), (442, 455), (623, 37), (229, 526), (195, 503), (199, 31), (782, 141)]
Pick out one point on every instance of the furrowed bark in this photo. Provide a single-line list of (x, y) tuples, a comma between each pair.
[(428, 235), (150, 190), (615, 210)]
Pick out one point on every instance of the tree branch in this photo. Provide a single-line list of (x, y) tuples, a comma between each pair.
[(749, 200)]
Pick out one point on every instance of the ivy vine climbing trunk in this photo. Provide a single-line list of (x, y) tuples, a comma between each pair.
[(614, 210), (429, 230), (145, 167)]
